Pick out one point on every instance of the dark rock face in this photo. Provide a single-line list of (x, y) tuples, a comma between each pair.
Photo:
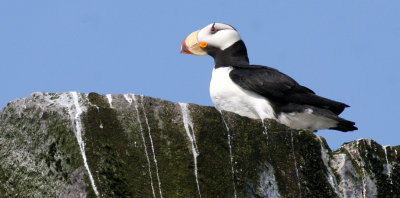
[(88, 145)]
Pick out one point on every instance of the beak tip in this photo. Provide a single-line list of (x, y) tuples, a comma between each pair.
[(184, 48)]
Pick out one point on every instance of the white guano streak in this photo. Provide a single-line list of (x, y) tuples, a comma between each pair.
[(152, 146), (187, 122), (295, 164), (126, 96), (331, 177), (388, 166), (143, 139), (78, 134), (364, 185), (265, 132), (109, 98), (230, 154)]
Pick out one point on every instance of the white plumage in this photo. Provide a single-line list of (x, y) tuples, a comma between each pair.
[(227, 95)]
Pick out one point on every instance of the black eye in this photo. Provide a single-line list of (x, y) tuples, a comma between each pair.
[(213, 29)]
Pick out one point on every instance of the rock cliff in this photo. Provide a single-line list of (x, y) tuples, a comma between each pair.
[(91, 145)]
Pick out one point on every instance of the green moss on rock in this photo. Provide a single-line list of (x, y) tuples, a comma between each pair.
[(213, 162), (106, 149), (39, 151)]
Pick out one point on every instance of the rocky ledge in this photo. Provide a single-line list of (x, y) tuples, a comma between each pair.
[(91, 145)]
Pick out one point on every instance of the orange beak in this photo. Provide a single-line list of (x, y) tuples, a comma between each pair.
[(190, 45)]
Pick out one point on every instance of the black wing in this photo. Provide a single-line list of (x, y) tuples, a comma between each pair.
[(280, 88)]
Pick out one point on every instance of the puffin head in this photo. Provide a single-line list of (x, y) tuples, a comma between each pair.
[(218, 40), (214, 36)]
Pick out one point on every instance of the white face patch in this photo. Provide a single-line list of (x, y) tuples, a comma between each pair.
[(223, 37)]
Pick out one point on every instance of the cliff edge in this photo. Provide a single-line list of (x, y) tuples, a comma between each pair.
[(90, 145)]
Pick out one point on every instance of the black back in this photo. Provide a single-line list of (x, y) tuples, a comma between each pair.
[(280, 89)]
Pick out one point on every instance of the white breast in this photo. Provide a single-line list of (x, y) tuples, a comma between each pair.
[(228, 96)]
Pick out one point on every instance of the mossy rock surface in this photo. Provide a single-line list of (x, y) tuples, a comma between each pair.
[(138, 146)]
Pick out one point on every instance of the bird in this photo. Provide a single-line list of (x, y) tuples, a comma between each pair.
[(260, 92)]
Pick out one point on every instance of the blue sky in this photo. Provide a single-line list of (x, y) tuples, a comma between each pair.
[(343, 50)]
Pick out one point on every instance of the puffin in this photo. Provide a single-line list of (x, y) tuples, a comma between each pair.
[(260, 92)]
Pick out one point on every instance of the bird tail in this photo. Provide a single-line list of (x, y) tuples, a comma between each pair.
[(344, 125), (338, 123), (321, 102)]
